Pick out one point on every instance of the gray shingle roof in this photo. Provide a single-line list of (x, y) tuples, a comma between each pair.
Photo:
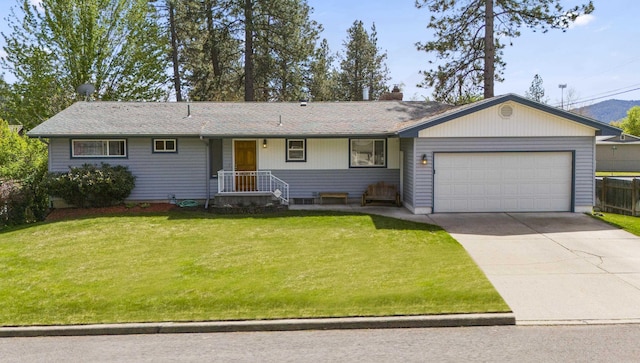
[(211, 119)]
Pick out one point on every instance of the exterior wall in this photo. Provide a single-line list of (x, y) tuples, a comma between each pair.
[(584, 181), (326, 167), (308, 183), (523, 122), (322, 154), (625, 158), (157, 174), (408, 167)]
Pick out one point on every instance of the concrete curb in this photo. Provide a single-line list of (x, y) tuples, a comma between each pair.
[(421, 321)]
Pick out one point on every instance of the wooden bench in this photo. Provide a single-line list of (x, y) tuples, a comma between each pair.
[(340, 195), (381, 192)]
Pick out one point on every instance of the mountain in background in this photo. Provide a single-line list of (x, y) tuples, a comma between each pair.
[(607, 111)]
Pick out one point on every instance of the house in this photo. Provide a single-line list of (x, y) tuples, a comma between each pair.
[(18, 129), (505, 153), (618, 153)]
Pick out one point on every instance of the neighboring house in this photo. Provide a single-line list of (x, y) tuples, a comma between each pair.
[(618, 153), (505, 153), (18, 129)]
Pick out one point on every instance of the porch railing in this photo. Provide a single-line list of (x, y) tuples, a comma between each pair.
[(260, 181)]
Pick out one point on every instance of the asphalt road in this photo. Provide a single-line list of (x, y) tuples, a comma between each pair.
[(592, 343)]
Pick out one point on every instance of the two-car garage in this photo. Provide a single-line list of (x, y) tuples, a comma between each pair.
[(503, 181)]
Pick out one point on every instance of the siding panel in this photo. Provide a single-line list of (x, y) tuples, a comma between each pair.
[(584, 160), (307, 183), (157, 174)]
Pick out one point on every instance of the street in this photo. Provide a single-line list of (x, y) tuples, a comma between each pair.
[(593, 343)]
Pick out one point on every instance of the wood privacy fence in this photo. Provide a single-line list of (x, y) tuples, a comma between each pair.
[(618, 195)]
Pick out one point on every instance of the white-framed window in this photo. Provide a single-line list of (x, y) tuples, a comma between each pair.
[(296, 150), (368, 153), (165, 145), (92, 148)]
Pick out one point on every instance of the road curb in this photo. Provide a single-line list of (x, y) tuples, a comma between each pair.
[(420, 321)]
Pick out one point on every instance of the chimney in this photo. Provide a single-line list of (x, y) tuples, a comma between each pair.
[(394, 95)]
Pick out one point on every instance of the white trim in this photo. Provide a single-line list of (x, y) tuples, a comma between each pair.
[(107, 141)]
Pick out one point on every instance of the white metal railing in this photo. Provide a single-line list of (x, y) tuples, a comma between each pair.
[(260, 181)]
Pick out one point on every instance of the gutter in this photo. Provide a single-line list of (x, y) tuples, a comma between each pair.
[(207, 166)]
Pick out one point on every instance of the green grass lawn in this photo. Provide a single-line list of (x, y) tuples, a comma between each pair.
[(193, 266), (617, 173), (628, 223)]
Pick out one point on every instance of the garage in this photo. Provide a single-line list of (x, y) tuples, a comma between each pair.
[(503, 182)]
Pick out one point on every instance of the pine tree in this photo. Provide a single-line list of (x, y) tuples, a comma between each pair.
[(322, 82), (469, 37), (536, 91), (363, 66)]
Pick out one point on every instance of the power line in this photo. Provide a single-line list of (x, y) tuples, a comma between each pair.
[(615, 93)]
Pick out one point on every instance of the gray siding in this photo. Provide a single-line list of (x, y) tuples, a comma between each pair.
[(157, 174), (584, 160), (625, 158), (408, 167), (307, 183)]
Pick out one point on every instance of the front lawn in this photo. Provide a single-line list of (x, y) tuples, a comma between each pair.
[(617, 173), (628, 223), (193, 266)]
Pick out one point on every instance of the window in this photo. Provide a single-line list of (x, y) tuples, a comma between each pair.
[(165, 146), (296, 150), (98, 148), (368, 153)]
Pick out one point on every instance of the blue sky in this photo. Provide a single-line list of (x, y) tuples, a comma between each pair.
[(596, 58)]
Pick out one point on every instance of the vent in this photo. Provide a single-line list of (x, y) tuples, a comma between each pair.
[(506, 111)]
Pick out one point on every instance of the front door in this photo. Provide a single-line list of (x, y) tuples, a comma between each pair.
[(245, 163)]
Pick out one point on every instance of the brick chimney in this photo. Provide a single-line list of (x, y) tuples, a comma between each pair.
[(394, 95)]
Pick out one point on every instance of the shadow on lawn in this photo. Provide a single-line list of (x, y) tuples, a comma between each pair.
[(380, 222)]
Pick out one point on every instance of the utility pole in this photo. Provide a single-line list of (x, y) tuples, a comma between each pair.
[(562, 87)]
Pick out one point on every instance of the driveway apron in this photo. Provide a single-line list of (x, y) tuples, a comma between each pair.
[(554, 268)]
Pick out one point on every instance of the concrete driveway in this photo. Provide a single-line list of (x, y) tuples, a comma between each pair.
[(554, 268)]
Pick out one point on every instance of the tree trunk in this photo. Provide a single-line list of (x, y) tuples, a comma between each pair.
[(174, 52), (489, 49), (248, 51), (213, 47)]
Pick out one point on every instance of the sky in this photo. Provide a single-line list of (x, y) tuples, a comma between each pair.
[(598, 58)]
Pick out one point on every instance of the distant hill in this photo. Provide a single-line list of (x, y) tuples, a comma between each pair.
[(607, 111)]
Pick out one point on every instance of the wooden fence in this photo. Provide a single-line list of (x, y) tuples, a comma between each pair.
[(618, 195)]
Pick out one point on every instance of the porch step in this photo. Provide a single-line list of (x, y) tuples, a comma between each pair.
[(244, 199)]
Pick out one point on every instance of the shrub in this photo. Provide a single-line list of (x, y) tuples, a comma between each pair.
[(92, 186), (23, 165)]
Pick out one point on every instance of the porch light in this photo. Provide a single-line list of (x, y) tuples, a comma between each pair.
[(264, 143), (424, 159)]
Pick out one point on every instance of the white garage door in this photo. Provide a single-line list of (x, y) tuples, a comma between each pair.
[(502, 182)]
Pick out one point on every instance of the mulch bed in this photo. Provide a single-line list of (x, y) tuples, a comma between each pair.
[(70, 213)]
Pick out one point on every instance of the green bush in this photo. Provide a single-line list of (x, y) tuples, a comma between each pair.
[(23, 165), (92, 186)]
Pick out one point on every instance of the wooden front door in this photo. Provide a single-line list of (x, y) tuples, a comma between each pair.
[(245, 162)]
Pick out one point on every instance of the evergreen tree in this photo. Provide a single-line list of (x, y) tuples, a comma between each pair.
[(536, 91), (322, 81), (117, 45), (363, 66), (469, 39)]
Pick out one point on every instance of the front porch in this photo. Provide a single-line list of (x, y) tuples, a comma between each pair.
[(258, 187)]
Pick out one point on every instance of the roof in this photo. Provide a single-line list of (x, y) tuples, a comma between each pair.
[(210, 119), (271, 119), (617, 139)]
